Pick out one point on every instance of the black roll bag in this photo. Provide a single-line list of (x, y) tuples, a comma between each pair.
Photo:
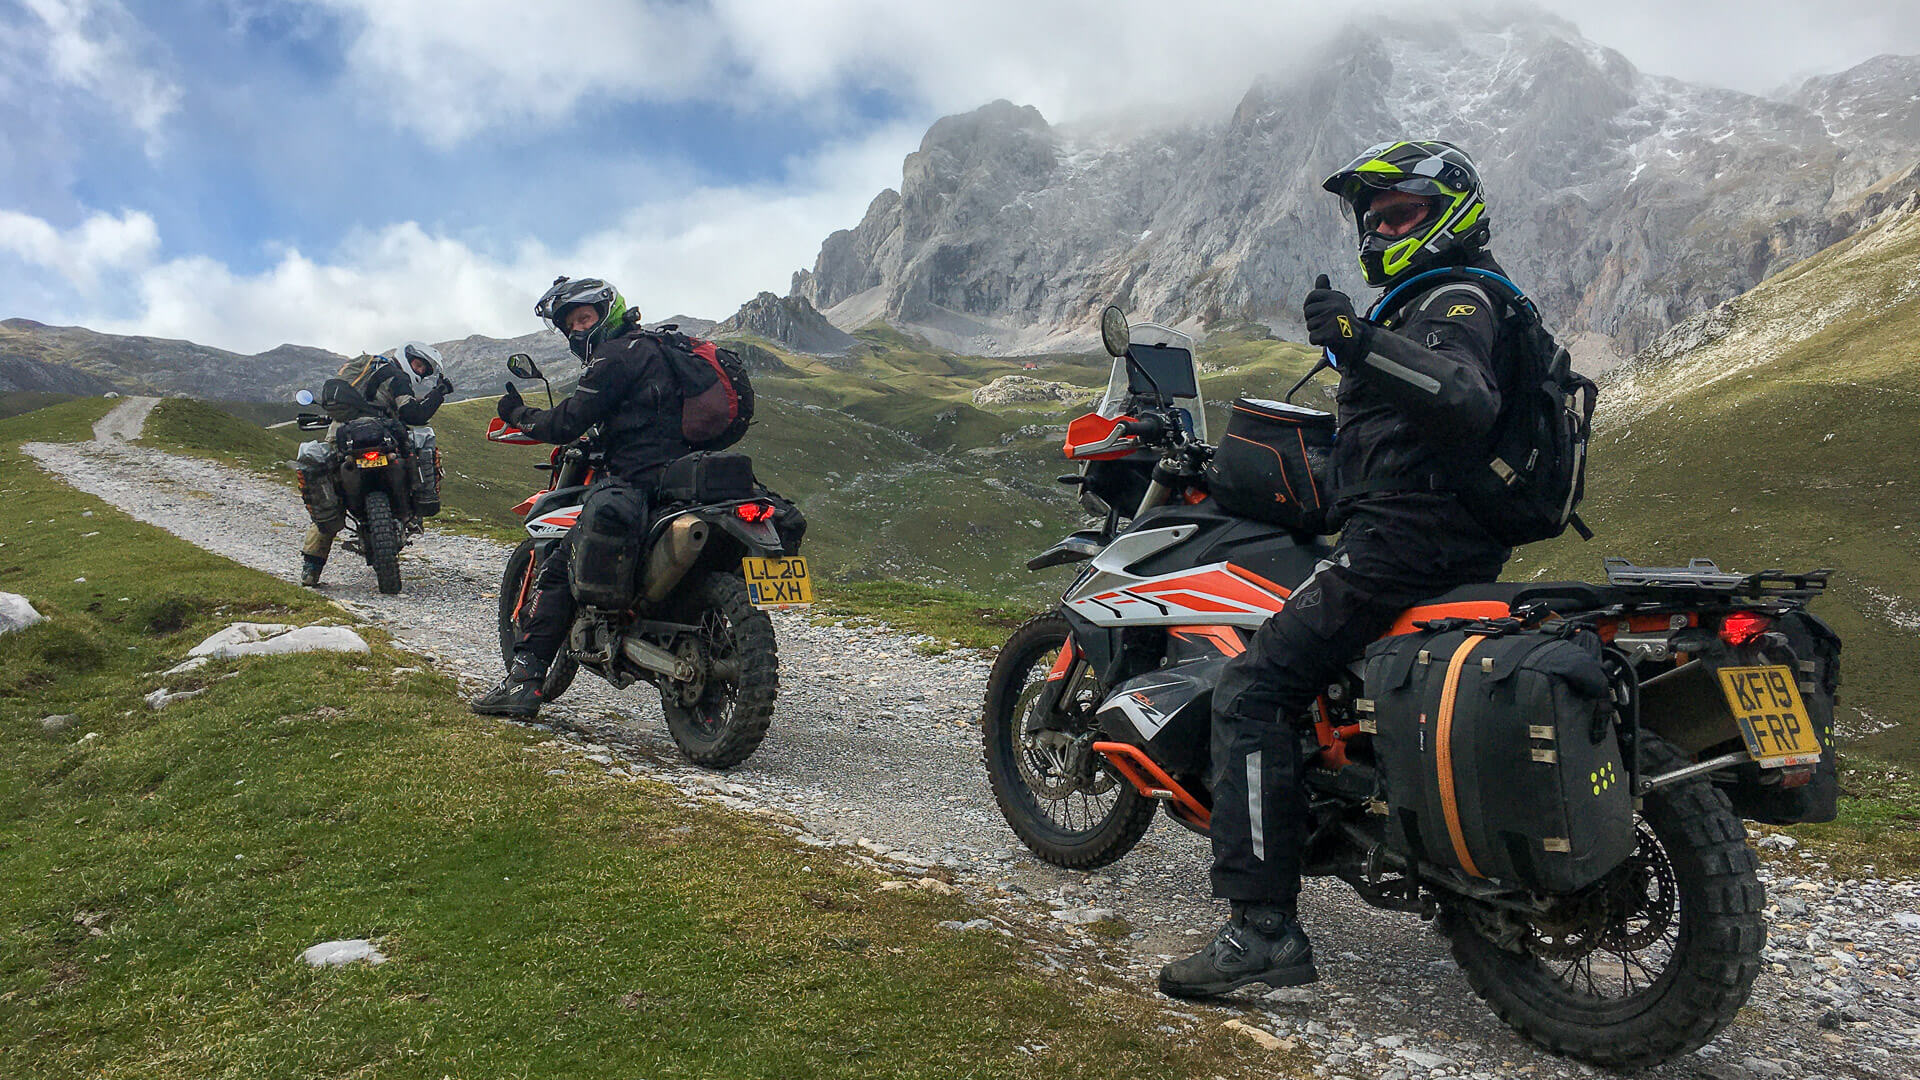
[(608, 543), (1499, 754), (708, 476), (1272, 465)]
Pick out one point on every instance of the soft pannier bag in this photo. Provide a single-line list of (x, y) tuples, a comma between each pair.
[(708, 477), (318, 466), (1499, 754), (426, 471), (1272, 465), (608, 543)]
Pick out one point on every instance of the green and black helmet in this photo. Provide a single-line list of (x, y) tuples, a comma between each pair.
[(1456, 218), (568, 293)]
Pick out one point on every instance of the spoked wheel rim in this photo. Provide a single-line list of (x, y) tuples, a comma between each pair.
[(713, 693), (1611, 952), (1071, 788)]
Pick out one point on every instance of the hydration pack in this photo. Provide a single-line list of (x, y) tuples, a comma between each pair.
[(1535, 475), (717, 396)]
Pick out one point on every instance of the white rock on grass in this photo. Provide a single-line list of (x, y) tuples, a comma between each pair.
[(185, 666), (340, 953), (16, 613), (278, 639), (163, 697)]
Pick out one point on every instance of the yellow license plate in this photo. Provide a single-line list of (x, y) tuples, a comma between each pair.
[(374, 462), (777, 583), (1772, 718)]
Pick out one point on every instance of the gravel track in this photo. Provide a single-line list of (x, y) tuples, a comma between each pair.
[(876, 748)]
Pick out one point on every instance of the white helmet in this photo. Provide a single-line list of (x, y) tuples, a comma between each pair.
[(404, 355)]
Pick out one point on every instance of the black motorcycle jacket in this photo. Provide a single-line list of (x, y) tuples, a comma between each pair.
[(392, 394), (630, 390), (1420, 405)]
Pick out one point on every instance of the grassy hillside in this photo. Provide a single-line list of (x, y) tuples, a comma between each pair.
[(1785, 436), (165, 870)]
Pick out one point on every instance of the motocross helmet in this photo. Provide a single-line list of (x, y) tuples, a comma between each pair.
[(568, 293), (420, 350), (1455, 222)]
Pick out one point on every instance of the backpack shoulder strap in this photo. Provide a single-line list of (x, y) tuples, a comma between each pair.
[(1516, 302)]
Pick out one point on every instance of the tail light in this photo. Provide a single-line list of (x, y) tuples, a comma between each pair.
[(1742, 627), (370, 455), (752, 513)]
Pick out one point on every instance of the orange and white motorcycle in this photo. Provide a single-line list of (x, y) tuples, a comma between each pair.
[(1098, 712)]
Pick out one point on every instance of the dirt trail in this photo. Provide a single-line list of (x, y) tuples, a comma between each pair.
[(127, 420), (875, 745)]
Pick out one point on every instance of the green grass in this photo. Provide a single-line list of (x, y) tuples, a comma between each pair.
[(1805, 459), (15, 402), (205, 429), (165, 870), (963, 619)]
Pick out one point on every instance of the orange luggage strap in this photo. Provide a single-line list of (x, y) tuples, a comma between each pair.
[(1443, 753)]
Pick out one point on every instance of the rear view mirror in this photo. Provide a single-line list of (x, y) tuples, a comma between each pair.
[(304, 397), (523, 366), (1113, 331)]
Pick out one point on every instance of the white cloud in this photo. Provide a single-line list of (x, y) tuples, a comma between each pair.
[(100, 244), (95, 47), (694, 250), (451, 68)]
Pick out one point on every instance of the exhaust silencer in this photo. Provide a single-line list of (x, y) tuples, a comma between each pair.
[(673, 556)]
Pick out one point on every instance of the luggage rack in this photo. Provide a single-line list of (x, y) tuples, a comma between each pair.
[(1706, 576)]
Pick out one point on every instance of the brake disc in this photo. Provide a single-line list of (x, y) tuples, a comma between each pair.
[(1642, 898)]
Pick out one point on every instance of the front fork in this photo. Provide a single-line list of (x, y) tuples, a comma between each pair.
[(1045, 713)]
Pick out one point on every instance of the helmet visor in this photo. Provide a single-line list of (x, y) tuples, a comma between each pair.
[(567, 294)]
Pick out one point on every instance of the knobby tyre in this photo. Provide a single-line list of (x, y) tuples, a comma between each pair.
[(1066, 805), (719, 720), (1683, 922), (516, 597), (383, 541)]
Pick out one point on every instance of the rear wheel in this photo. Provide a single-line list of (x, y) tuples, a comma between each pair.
[(1649, 963), (1064, 801), (718, 718), (516, 596), (383, 541)]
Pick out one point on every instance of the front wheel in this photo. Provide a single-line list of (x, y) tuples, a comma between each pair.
[(516, 598), (719, 717), (1063, 800), (383, 541), (1649, 963)]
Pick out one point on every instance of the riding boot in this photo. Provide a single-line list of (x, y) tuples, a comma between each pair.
[(517, 696), (310, 567), (1259, 943)]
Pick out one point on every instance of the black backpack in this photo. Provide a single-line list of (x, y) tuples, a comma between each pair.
[(1537, 472), (717, 395)]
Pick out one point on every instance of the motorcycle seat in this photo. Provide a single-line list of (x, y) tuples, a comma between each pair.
[(1497, 599)]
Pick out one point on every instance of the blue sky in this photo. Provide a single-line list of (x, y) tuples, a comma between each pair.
[(351, 172)]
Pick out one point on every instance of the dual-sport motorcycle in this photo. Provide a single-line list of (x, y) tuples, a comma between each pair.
[(720, 551), (1590, 868), (382, 475)]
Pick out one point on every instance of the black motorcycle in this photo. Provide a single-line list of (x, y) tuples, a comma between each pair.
[(719, 551), (375, 470)]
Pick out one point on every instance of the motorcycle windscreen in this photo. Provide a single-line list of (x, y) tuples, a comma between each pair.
[(1172, 369)]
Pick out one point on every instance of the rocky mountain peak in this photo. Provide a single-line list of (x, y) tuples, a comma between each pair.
[(1623, 202), (788, 320)]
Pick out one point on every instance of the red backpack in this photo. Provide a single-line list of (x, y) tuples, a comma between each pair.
[(717, 396)]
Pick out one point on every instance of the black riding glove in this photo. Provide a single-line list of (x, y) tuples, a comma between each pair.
[(446, 386), (1333, 325), (510, 404)]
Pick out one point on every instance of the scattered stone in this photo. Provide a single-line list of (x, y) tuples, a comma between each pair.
[(971, 924), (16, 613), (341, 953), (1267, 1039), (1083, 916), (61, 722), (278, 639), (184, 666), (1777, 842), (163, 697)]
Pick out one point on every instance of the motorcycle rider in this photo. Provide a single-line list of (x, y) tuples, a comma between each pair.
[(631, 390), (408, 384), (1419, 392)]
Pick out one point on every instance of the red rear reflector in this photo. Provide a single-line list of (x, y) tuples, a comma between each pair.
[(1742, 627), (753, 512)]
